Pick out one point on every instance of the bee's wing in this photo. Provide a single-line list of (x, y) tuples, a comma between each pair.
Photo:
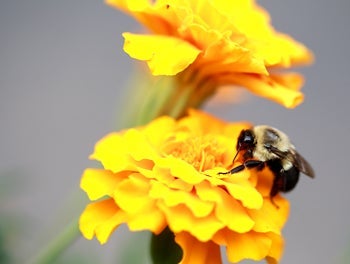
[(303, 165), (296, 159)]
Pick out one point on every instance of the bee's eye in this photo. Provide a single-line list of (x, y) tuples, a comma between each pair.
[(248, 138), (245, 140)]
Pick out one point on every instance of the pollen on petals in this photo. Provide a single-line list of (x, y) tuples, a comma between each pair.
[(173, 181)]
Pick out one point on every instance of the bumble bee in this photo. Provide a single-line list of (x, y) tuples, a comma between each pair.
[(267, 146)]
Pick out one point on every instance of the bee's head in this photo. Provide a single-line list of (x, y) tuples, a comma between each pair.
[(246, 140)]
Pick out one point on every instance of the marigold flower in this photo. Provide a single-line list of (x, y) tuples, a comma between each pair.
[(215, 43), (165, 174)]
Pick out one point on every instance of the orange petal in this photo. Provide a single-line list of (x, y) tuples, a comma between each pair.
[(267, 87), (251, 245), (276, 250), (270, 218), (264, 181), (197, 252), (291, 80), (164, 55), (248, 195)]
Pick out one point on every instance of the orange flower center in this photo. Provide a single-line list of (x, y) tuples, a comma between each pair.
[(202, 152)]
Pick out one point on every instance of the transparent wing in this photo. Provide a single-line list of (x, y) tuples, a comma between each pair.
[(297, 160)]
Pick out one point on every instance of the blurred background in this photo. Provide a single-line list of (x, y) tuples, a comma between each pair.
[(63, 80)]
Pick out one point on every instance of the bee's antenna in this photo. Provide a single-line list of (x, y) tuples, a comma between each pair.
[(238, 150), (230, 171)]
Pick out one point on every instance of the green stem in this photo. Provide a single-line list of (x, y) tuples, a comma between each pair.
[(52, 250)]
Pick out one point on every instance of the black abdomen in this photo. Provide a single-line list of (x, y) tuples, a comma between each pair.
[(285, 180)]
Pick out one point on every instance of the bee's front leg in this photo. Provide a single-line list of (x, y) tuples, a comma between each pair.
[(249, 164)]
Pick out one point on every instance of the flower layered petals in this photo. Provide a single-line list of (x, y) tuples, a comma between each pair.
[(268, 87), (151, 219), (180, 218), (131, 195), (261, 38), (263, 181), (105, 185), (171, 198), (199, 122), (164, 55), (158, 130), (101, 219), (270, 218), (292, 80), (110, 149), (238, 187), (195, 251), (276, 251), (225, 57), (248, 195), (181, 169), (159, 16), (251, 245), (207, 39), (138, 146), (171, 179), (124, 152), (228, 210)]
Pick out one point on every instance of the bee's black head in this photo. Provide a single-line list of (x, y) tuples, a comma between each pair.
[(245, 140)]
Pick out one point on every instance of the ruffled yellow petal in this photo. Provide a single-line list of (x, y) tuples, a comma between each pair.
[(270, 218), (248, 195), (105, 185), (230, 212), (172, 198), (251, 245), (158, 130), (268, 87), (276, 251), (111, 152), (180, 218), (151, 219), (164, 55), (195, 251), (180, 169), (100, 219), (131, 194)]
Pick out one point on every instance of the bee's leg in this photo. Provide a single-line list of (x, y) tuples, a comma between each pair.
[(249, 164), (254, 164), (273, 202), (234, 170), (277, 186)]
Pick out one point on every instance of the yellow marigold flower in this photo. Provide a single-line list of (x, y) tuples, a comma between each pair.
[(215, 43), (165, 174)]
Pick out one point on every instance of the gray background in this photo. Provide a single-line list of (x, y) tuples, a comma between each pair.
[(62, 79)]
